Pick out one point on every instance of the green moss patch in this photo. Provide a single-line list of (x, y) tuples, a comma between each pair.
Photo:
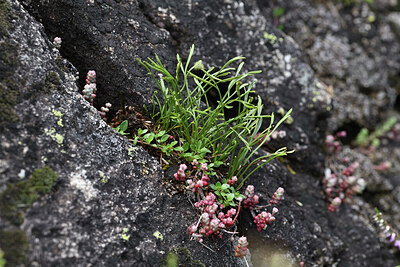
[(6, 16), (15, 246), (9, 91), (21, 195), (52, 82), (181, 257)]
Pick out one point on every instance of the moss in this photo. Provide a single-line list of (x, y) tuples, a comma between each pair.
[(21, 195), (52, 82), (15, 246), (9, 91), (6, 16), (181, 257), (2, 260)]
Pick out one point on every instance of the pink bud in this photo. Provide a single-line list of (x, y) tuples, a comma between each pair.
[(183, 167)]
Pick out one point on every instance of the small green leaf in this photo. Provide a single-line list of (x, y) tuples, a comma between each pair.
[(160, 133), (213, 187), (193, 147), (173, 143), (375, 142), (225, 186), (278, 11), (232, 204), (185, 147), (204, 150), (218, 163), (199, 145), (135, 140), (178, 148), (123, 126), (188, 155), (149, 137), (230, 196), (164, 138)]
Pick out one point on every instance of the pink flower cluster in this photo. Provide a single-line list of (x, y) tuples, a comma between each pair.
[(90, 89), (335, 203), (241, 248), (340, 187), (104, 110), (196, 183), (57, 42), (180, 174), (209, 222), (343, 183), (251, 199), (332, 144), (232, 181), (265, 218), (277, 196)]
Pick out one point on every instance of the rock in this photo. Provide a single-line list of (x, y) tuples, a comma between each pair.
[(108, 201)]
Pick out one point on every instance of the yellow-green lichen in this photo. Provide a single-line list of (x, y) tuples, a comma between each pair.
[(158, 235), (21, 195), (272, 38), (58, 138), (104, 178), (15, 246), (145, 170), (131, 150), (124, 234), (371, 18), (59, 115)]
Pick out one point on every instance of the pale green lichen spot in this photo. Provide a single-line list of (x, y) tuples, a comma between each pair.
[(59, 115), (158, 235), (58, 138)]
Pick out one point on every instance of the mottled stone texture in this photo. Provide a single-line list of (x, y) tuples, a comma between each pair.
[(329, 65)]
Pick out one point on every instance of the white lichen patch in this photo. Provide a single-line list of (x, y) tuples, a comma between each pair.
[(80, 182), (21, 174)]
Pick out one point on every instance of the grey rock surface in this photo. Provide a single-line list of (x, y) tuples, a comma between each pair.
[(105, 185)]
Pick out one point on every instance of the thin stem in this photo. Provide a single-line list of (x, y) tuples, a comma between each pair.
[(237, 213)]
